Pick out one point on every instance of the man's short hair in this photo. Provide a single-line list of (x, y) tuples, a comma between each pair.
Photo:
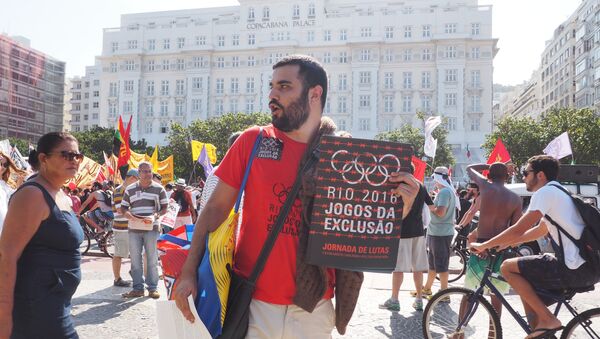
[(311, 71), (473, 185), (145, 163), (545, 163), (498, 171)]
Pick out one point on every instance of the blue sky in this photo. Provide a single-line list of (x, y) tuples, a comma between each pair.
[(71, 30)]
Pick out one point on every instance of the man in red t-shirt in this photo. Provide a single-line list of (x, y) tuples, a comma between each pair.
[(297, 97)]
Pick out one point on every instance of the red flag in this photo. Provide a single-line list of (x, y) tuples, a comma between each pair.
[(420, 167), (108, 164), (499, 153), (100, 177), (124, 151)]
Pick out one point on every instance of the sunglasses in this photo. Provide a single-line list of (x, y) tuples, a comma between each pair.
[(526, 172), (70, 156)]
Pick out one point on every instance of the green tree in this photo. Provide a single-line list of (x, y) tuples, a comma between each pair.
[(93, 142), (415, 137), (22, 145), (215, 131), (522, 137)]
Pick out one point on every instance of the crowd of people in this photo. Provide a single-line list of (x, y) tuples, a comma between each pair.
[(39, 247)]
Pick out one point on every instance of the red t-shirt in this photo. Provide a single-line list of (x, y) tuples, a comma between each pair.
[(271, 176)]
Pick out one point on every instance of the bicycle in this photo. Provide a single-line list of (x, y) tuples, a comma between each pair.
[(441, 315), (105, 240)]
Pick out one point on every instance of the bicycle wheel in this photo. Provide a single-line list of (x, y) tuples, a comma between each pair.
[(585, 325), (442, 317), (107, 243), (457, 265), (84, 246)]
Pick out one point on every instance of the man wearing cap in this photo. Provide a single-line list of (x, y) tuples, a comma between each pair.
[(120, 229), (441, 229), (183, 197)]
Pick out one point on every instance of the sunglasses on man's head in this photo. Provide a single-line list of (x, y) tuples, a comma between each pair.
[(69, 156)]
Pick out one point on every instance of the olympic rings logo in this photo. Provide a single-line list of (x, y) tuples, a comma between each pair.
[(364, 167)]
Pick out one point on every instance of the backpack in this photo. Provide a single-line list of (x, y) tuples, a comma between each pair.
[(107, 197), (589, 242)]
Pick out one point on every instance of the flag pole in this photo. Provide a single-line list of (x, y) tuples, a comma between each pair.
[(194, 162)]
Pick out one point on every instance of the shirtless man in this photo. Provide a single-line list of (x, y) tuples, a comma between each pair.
[(499, 208)]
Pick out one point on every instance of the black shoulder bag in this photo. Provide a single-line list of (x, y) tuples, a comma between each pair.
[(241, 289)]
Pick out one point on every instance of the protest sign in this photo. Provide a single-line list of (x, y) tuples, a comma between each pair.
[(356, 220), (168, 220)]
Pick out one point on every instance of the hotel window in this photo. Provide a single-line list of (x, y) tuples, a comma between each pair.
[(388, 55), (450, 28), (450, 100), (476, 78), (296, 12), (250, 14), (475, 28), (179, 87), (343, 58), (366, 32), (148, 128), (180, 42), (164, 108), (219, 107), (233, 106), (343, 82), (165, 64), (342, 105), (151, 44), (327, 35), (115, 46), (196, 105), (166, 43), (311, 11), (425, 80), (220, 62), (219, 86), (164, 127), (149, 109), (127, 106), (407, 104), (235, 61), (408, 31), (426, 54), (310, 36), (475, 104), (196, 84), (112, 109), (407, 80), (364, 101), (249, 105), (164, 87), (128, 86), (266, 13), (198, 61), (388, 104), (341, 124), (235, 85), (235, 40), (450, 52), (407, 56), (343, 35), (426, 103), (251, 39), (96, 94), (426, 31), (129, 65), (149, 87), (451, 75), (364, 78), (250, 85), (179, 109), (180, 64), (475, 124), (112, 89), (221, 40), (365, 54), (132, 44), (95, 105), (475, 53), (363, 124), (451, 124), (327, 57), (389, 32), (201, 40), (387, 125), (388, 80)]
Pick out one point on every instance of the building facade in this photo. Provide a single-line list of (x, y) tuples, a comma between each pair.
[(85, 100), (386, 61), (31, 91)]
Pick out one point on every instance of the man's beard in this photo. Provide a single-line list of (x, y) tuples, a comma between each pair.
[(293, 116)]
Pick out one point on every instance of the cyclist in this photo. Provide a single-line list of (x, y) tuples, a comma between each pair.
[(100, 211), (545, 271)]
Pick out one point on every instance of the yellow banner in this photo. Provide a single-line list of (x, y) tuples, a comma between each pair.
[(154, 159), (88, 171), (165, 168), (210, 149)]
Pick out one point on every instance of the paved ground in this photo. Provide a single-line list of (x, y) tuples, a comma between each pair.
[(100, 312)]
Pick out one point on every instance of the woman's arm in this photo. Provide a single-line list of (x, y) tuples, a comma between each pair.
[(20, 225)]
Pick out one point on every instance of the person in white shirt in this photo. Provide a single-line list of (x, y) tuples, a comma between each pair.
[(567, 270)]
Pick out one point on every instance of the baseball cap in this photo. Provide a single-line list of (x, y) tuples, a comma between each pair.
[(133, 173)]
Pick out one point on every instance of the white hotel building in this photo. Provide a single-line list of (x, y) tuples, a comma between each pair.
[(386, 60)]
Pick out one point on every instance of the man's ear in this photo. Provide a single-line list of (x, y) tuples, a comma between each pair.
[(315, 94)]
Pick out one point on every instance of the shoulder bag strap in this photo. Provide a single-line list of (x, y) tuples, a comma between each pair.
[(247, 173), (285, 210)]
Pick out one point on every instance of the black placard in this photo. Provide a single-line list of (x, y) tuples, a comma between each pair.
[(356, 220)]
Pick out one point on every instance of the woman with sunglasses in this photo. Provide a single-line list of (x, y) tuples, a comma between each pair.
[(39, 246), (7, 185)]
